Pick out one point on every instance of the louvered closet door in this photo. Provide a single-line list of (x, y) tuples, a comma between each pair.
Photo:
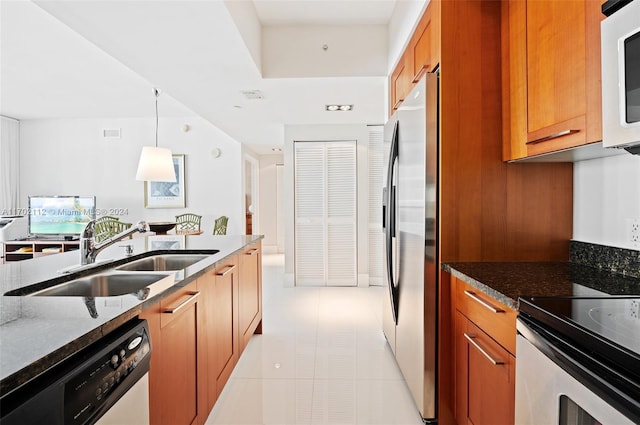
[(325, 213), (376, 162)]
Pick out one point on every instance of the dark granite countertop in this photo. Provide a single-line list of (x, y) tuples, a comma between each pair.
[(38, 332), (505, 282)]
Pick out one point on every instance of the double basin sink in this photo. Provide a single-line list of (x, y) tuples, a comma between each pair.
[(130, 278)]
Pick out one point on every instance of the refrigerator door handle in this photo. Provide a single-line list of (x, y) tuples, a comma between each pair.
[(390, 231), (392, 211), (384, 209)]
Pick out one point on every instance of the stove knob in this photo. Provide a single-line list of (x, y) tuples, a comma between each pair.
[(114, 361), (122, 353)]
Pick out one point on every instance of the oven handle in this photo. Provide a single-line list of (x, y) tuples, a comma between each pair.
[(585, 368)]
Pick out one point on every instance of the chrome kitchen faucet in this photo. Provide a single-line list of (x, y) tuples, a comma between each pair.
[(89, 249)]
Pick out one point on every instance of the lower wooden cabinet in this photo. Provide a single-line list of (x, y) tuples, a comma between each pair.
[(484, 359), (197, 337), (222, 328), (485, 377), (175, 361), (250, 293)]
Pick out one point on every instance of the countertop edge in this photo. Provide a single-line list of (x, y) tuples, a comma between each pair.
[(41, 366), (487, 290)]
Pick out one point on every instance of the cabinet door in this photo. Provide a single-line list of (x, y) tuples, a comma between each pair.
[(224, 311), (401, 79), (173, 389), (207, 391), (556, 67), (422, 46), (250, 293), (485, 377), (551, 75)]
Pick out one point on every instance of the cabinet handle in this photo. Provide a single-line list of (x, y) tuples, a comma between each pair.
[(226, 271), (173, 310), (473, 342), (253, 251), (482, 302), (420, 73), (551, 136)]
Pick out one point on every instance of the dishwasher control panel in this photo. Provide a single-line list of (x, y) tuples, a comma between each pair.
[(82, 388), (102, 377)]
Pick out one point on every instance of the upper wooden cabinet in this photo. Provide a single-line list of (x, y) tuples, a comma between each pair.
[(400, 83), (425, 43), (551, 76), (421, 55)]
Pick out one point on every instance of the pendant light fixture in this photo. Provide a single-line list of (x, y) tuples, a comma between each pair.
[(156, 164)]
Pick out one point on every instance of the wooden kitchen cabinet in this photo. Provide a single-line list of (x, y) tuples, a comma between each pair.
[(484, 340), (401, 81), (421, 55), (196, 337), (425, 45), (551, 76), (485, 377), (223, 345), (250, 293), (176, 361)]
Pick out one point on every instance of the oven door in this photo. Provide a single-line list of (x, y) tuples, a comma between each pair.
[(547, 394), (621, 77)]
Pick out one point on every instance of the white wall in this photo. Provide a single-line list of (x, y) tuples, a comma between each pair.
[(70, 156), (358, 132), (606, 197)]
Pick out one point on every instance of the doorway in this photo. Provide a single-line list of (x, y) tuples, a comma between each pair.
[(251, 195)]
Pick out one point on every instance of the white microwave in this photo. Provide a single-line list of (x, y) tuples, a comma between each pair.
[(621, 75)]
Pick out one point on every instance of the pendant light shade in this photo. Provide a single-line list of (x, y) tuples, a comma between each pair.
[(156, 164)]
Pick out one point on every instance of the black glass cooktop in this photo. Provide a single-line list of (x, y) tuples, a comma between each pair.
[(612, 322)]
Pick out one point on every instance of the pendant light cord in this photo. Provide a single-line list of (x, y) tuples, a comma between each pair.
[(157, 93)]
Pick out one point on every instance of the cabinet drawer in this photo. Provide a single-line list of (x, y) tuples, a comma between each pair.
[(496, 319)]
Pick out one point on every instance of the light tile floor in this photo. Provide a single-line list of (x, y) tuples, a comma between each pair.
[(322, 359)]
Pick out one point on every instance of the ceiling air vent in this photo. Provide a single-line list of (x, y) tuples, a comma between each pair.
[(253, 94), (111, 133)]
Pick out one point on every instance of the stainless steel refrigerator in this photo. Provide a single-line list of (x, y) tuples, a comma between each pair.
[(410, 216)]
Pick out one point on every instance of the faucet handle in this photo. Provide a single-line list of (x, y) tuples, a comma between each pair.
[(89, 230)]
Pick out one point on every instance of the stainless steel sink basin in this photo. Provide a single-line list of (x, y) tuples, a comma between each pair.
[(104, 285), (163, 262)]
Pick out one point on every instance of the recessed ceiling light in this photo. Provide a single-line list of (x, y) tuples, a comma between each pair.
[(276, 149), (338, 107)]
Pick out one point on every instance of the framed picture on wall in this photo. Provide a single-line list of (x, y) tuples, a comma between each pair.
[(165, 242), (167, 194)]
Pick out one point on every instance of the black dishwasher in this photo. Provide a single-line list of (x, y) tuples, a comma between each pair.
[(81, 389)]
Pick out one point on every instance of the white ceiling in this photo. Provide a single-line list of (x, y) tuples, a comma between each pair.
[(74, 59)]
